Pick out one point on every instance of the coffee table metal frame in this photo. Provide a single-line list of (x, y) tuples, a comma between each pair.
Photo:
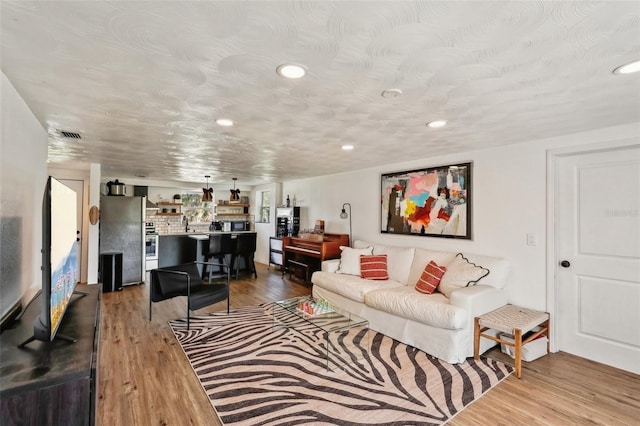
[(331, 324)]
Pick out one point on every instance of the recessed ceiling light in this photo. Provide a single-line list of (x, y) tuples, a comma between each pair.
[(291, 71), (437, 123), (347, 147), (225, 122), (628, 68), (391, 93)]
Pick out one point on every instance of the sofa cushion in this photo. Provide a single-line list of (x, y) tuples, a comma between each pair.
[(431, 309), (374, 267), (399, 260), (430, 278), (499, 267), (349, 286), (350, 260), (423, 256), (359, 244), (461, 273)]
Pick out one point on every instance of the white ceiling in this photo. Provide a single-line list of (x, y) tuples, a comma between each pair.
[(143, 82)]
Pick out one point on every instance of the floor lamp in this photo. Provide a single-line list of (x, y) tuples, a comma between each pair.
[(344, 215)]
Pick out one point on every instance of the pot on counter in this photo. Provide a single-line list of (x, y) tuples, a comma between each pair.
[(116, 188)]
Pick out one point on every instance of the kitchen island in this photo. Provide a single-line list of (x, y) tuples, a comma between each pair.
[(177, 248)]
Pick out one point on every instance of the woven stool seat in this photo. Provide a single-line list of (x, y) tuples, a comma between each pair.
[(508, 318), (514, 320)]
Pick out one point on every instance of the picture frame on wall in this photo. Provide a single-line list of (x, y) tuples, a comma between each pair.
[(432, 202)]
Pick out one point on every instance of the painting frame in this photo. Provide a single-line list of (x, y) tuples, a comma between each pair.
[(432, 201)]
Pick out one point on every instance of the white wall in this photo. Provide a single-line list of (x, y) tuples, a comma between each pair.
[(509, 202), (23, 177), (95, 171), (266, 230)]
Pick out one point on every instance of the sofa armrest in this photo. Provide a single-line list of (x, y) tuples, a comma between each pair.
[(479, 299), (331, 265)]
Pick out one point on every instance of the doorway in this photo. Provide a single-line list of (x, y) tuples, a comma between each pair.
[(595, 253), (78, 187)]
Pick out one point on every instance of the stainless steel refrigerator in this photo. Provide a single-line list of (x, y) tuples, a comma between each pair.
[(122, 230)]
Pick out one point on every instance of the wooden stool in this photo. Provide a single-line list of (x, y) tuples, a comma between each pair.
[(516, 321)]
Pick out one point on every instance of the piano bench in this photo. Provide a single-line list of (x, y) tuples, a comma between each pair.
[(293, 264)]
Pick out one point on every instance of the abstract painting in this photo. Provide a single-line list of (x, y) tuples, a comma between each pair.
[(434, 202)]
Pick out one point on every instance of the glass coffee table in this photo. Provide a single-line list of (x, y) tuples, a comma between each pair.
[(299, 312)]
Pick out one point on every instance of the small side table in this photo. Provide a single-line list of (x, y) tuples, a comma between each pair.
[(516, 321)]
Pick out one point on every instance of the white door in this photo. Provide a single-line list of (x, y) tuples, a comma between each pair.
[(78, 186), (597, 216)]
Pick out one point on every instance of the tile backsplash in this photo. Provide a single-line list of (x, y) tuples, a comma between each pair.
[(174, 225)]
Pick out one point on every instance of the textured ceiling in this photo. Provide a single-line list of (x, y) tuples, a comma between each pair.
[(143, 82)]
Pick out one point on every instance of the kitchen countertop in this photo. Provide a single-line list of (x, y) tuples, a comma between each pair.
[(205, 234)]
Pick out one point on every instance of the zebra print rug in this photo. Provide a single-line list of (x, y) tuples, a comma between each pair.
[(256, 374)]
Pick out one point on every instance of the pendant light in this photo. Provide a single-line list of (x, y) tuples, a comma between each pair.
[(207, 193), (235, 193)]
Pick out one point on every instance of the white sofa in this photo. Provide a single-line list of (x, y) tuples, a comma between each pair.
[(438, 324)]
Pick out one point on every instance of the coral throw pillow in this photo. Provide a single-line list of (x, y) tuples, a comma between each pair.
[(430, 278), (374, 267)]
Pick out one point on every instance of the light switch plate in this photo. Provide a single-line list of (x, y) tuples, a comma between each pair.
[(532, 239)]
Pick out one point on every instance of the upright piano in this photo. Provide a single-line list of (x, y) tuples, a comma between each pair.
[(303, 256)]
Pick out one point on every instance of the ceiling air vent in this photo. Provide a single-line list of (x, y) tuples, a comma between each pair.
[(71, 135)]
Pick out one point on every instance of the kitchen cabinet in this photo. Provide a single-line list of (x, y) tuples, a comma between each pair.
[(169, 209), (176, 250)]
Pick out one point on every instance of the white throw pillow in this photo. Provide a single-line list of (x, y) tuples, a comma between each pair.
[(350, 259), (399, 260), (461, 273)]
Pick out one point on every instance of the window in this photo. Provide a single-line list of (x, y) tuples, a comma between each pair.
[(263, 203), (194, 209)]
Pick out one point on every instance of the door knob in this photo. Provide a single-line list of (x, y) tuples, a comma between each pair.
[(565, 263)]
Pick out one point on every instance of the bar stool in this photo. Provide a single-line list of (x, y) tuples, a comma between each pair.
[(220, 247), (245, 248)]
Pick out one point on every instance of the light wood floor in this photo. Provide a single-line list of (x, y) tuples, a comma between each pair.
[(144, 377)]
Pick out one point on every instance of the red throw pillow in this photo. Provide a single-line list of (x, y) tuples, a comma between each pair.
[(430, 278), (374, 267)]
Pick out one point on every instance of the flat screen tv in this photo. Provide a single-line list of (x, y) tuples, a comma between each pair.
[(59, 259)]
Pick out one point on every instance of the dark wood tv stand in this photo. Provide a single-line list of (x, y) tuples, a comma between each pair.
[(52, 382)]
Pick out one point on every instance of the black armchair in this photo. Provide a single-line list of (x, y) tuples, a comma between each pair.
[(185, 280)]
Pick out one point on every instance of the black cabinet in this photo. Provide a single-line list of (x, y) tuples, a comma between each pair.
[(111, 271), (176, 250), (52, 383)]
